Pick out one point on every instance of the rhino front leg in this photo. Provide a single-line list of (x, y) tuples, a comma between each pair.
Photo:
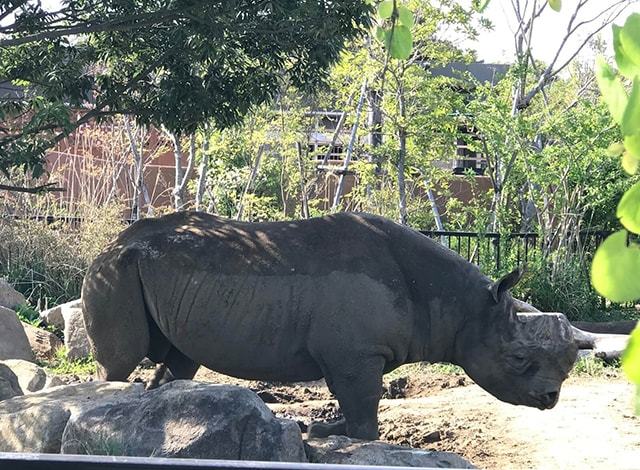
[(358, 386)]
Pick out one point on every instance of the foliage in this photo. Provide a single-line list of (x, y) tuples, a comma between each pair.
[(28, 315), (565, 289), (616, 266), (47, 262), (61, 365), (174, 63), (595, 367)]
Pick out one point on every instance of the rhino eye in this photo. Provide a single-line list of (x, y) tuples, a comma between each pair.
[(519, 362)]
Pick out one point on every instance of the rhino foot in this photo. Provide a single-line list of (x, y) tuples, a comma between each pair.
[(322, 430)]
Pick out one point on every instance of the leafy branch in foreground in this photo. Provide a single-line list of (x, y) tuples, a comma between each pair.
[(616, 265)]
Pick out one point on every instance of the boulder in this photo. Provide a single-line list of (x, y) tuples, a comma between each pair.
[(44, 344), (55, 316), (35, 422), (31, 377), (13, 340), (9, 297), (343, 450), (9, 385), (186, 419), (75, 334)]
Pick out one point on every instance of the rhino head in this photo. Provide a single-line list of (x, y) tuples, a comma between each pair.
[(520, 358)]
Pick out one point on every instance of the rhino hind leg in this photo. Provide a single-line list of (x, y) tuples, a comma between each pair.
[(115, 320), (175, 366)]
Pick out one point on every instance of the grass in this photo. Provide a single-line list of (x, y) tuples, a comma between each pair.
[(61, 365), (424, 368), (29, 315), (585, 367), (595, 367)]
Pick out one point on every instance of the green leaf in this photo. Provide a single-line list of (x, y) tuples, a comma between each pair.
[(401, 42), (381, 34), (630, 38), (632, 144), (629, 210), (625, 65), (616, 269), (631, 357), (631, 117), (613, 92), (615, 149), (555, 4), (385, 9), (405, 16), (630, 163)]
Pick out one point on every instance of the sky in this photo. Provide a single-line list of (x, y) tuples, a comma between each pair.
[(498, 45)]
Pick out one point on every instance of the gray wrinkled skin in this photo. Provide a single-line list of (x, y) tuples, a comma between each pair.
[(346, 297)]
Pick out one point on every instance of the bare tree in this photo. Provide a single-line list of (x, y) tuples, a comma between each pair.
[(141, 193), (202, 170), (527, 14), (181, 175), (250, 182), (352, 141)]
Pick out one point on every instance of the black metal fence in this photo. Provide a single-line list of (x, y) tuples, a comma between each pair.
[(493, 250)]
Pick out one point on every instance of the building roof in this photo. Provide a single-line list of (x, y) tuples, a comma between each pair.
[(8, 91), (483, 73)]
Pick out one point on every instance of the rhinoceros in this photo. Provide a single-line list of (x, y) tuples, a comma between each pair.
[(348, 297)]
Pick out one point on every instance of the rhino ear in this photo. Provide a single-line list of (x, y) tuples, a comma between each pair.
[(507, 281)]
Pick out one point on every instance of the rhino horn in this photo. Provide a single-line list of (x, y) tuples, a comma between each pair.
[(582, 339), (548, 328)]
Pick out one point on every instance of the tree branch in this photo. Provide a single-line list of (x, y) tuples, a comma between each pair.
[(118, 24)]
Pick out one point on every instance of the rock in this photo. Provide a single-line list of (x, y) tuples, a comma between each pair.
[(9, 297), (186, 419), (56, 316), (44, 344), (9, 385), (75, 335), (35, 422), (31, 377), (53, 381), (13, 340), (343, 450)]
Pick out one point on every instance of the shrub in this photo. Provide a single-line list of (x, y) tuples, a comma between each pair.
[(561, 287), (47, 262)]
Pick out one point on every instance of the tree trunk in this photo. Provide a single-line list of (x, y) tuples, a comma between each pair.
[(181, 175), (202, 171), (400, 166), (251, 180), (611, 327), (303, 184), (140, 194), (352, 141)]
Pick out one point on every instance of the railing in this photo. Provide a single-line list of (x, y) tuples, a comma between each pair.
[(489, 249), (11, 461), (50, 219)]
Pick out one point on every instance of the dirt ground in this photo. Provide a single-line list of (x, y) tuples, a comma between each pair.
[(433, 408)]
